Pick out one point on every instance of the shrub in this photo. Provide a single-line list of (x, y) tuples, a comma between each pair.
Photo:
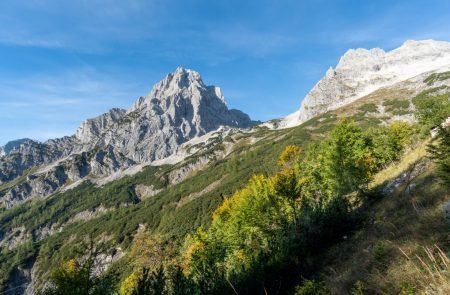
[(430, 80), (311, 287), (368, 108), (396, 106), (380, 251)]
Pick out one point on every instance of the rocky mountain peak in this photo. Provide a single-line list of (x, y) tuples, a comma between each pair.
[(179, 108), (177, 81), (182, 82), (361, 58), (15, 145), (362, 71)]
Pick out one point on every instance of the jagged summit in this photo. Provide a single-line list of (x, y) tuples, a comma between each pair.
[(362, 71), (178, 108), (182, 101), (12, 145), (182, 81)]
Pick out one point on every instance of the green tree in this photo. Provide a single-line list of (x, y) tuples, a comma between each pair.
[(75, 278), (349, 160), (246, 229), (434, 112), (431, 111), (440, 152), (150, 283), (79, 276), (389, 142)]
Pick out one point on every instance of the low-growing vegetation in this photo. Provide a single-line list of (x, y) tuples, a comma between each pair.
[(396, 106), (435, 77), (368, 108)]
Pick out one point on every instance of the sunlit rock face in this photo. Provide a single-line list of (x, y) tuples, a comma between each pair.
[(178, 109), (361, 71)]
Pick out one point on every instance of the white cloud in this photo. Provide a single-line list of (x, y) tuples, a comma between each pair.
[(30, 41), (50, 106)]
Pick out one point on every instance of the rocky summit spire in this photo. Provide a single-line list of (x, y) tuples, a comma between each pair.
[(178, 108), (185, 82)]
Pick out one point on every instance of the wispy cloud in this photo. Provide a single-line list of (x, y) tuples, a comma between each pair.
[(75, 59), (388, 29), (29, 41), (56, 104)]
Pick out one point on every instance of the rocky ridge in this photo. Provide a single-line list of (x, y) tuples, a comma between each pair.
[(361, 71), (178, 108)]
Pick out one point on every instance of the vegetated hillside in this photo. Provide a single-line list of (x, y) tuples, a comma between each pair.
[(397, 247), (38, 236), (52, 229)]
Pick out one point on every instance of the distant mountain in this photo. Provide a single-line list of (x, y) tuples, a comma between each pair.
[(361, 71), (179, 108), (14, 144)]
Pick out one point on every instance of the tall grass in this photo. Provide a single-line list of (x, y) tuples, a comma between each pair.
[(429, 272)]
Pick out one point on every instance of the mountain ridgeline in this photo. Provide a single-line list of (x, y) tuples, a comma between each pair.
[(361, 71), (181, 195), (179, 108)]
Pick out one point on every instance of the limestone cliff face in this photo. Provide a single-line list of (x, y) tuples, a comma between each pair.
[(361, 71), (91, 130), (178, 109)]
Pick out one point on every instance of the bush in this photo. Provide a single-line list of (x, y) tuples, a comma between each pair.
[(368, 108), (432, 111), (396, 106), (430, 80), (380, 251), (311, 287)]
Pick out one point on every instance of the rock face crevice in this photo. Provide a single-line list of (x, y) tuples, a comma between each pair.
[(179, 108)]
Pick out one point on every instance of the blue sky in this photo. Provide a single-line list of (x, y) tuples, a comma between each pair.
[(64, 61)]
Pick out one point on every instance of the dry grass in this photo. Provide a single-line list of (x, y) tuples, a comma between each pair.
[(427, 272), (395, 170), (376, 98), (400, 223)]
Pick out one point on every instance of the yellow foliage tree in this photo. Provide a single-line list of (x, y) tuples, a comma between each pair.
[(128, 285), (289, 155)]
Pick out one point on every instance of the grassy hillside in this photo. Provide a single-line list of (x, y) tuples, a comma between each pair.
[(384, 255)]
